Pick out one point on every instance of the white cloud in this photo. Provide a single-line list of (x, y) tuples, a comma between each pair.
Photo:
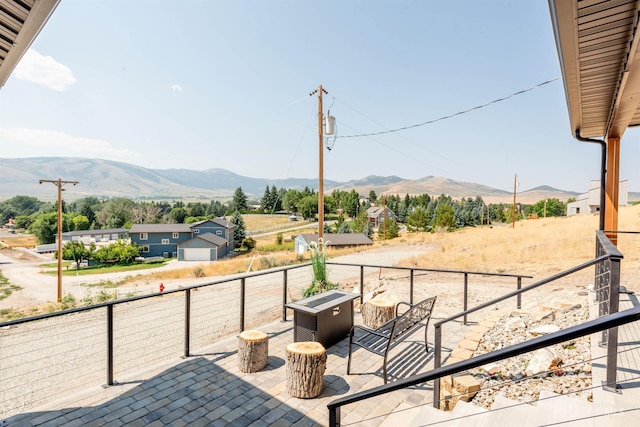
[(46, 143), (176, 88), (44, 70)]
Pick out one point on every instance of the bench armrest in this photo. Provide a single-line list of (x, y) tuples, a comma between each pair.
[(402, 303)]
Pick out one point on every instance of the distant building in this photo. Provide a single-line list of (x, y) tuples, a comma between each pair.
[(207, 240), (94, 236), (340, 240), (589, 203), (377, 215)]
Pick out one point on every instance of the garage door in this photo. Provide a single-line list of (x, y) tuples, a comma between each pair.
[(197, 254)]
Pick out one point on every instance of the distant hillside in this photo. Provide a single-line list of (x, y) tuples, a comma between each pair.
[(105, 178)]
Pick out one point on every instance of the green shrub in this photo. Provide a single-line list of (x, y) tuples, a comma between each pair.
[(68, 301), (198, 272), (320, 281), (267, 262)]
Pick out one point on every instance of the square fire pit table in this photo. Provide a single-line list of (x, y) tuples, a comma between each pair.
[(325, 318)]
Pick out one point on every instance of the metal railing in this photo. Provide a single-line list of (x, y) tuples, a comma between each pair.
[(587, 328), (607, 284), (97, 344), (422, 271)]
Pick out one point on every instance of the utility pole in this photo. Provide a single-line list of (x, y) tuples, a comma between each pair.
[(59, 183), (320, 91)]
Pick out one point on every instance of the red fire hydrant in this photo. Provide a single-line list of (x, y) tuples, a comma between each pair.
[(161, 287)]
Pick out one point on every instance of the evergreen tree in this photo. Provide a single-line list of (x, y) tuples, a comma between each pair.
[(344, 228), (239, 232), (388, 229), (274, 203), (265, 202), (239, 202)]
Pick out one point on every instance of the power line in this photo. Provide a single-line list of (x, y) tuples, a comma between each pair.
[(477, 107)]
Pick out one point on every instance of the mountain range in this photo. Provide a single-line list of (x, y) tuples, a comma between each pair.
[(106, 178)]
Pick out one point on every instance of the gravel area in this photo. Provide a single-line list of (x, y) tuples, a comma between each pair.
[(563, 368)]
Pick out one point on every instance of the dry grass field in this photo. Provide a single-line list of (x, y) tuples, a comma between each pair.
[(19, 241), (538, 247)]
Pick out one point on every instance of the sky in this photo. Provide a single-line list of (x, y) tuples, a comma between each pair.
[(226, 84)]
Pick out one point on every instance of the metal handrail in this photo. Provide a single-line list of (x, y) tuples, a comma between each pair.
[(466, 274), (523, 290), (437, 357), (587, 328), (153, 295)]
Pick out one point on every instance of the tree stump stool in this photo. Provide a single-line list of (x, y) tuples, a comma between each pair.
[(253, 351), (306, 362), (377, 311)]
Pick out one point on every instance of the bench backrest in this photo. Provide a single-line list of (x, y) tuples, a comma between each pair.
[(412, 318)]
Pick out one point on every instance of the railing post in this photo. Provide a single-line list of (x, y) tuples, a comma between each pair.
[(284, 295), (242, 298), (411, 287), (334, 417), (110, 344), (466, 289), (519, 304), (187, 322), (437, 362), (362, 284), (612, 334)]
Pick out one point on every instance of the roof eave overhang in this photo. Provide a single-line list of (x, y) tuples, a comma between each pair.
[(563, 17), (622, 111), (37, 18)]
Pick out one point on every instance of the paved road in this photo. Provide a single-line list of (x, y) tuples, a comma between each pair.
[(39, 288)]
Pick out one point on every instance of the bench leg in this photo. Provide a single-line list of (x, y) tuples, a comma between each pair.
[(384, 368), (426, 343), (350, 349)]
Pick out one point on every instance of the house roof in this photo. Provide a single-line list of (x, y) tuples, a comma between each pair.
[(178, 228), (220, 221), (161, 228), (375, 210), (598, 43), (340, 239), (20, 23), (208, 237), (94, 232)]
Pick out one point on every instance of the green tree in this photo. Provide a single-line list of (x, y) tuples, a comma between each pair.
[(290, 200), (81, 222), (265, 202), (24, 221), (239, 232), (87, 209), (177, 215), (308, 206), (75, 251), (418, 220), (554, 207), (444, 217), (344, 228), (239, 201), (388, 229), (119, 252), (45, 228)]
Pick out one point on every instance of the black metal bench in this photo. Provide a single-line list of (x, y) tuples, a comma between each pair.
[(388, 335)]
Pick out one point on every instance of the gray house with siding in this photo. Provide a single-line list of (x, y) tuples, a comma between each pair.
[(206, 240), (377, 215)]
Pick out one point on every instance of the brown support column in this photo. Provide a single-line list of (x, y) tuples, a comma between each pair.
[(613, 182)]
